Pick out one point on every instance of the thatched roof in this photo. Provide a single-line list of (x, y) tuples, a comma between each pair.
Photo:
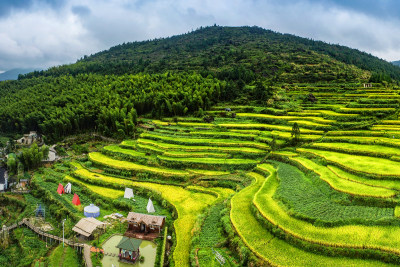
[(145, 218), (87, 226)]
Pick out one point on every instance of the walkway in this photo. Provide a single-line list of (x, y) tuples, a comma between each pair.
[(39, 232)]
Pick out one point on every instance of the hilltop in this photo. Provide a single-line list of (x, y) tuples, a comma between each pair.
[(235, 52)]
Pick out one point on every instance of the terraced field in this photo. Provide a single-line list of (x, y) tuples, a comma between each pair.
[(330, 200)]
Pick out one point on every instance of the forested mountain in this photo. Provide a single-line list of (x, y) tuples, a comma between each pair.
[(397, 63), (175, 76), (234, 52), (13, 74)]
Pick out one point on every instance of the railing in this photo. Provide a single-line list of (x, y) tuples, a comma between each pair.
[(71, 243)]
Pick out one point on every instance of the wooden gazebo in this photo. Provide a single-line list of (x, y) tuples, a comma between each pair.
[(129, 249)]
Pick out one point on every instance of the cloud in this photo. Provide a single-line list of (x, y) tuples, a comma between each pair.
[(43, 33)]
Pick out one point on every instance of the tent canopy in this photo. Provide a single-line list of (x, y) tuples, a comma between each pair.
[(76, 201), (91, 211), (67, 188), (60, 189), (150, 206), (128, 193)]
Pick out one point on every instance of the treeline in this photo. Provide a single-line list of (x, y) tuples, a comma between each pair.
[(64, 105)]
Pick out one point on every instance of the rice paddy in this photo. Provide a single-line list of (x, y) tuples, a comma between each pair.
[(330, 200)]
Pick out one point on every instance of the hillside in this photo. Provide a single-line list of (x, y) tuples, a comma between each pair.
[(235, 53), (224, 63), (257, 148)]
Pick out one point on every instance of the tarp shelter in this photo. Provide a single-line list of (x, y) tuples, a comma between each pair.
[(87, 226), (67, 188), (40, 212), (75, 200), (91, 211), (60, 189), (150, 206), (128, 193)]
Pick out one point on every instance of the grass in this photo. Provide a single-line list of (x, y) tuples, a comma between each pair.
[(372, 150), (351, 236), (124, 165), (102, 191), (268, 127), (285, 153), (204, 141), (161, 146), (183, 154), (309, 123), (216, 162), (344, 185), (287, 118), (377, 167), (309, 198), (288, 136), (130, 152), (64, 257), (207, 172), (274, 251), (249, 136), (188, 204), (389, 184)]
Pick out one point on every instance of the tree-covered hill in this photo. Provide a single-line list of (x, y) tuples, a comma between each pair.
[(176, 76), (235, 53)]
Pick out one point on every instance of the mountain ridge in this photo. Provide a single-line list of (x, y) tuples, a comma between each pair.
[(222, 51)]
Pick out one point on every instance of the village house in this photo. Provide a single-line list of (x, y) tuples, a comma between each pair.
[(29, 139), (87, 227), (3, 179), (144, 226)]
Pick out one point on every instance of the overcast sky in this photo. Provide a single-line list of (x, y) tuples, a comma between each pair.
[(44, 33)]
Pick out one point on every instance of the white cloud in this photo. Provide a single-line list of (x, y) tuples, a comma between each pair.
[(42, 36)]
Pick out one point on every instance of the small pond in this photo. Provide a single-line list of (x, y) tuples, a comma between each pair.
[(147, 249)]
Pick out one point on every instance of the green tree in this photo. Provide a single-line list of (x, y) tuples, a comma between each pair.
[(295, 133)]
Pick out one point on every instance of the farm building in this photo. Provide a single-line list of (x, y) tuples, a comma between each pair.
[(129, 249), (86, 227), (30, 138), (3, 179), (144, 226)]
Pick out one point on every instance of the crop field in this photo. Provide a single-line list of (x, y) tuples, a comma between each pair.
[(309, 200), (377, 167), (331, 199)]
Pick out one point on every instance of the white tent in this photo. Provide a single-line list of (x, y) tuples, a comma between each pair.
[(150, 206), (128, 193), (67, 188)]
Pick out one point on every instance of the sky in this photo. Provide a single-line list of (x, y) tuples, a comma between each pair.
[(45, 33)]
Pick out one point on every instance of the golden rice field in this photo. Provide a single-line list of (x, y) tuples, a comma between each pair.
[(345, 169)]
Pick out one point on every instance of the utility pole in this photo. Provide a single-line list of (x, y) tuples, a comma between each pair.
[(63, 230)]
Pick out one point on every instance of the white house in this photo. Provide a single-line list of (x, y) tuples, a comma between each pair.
[(3, 179)]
